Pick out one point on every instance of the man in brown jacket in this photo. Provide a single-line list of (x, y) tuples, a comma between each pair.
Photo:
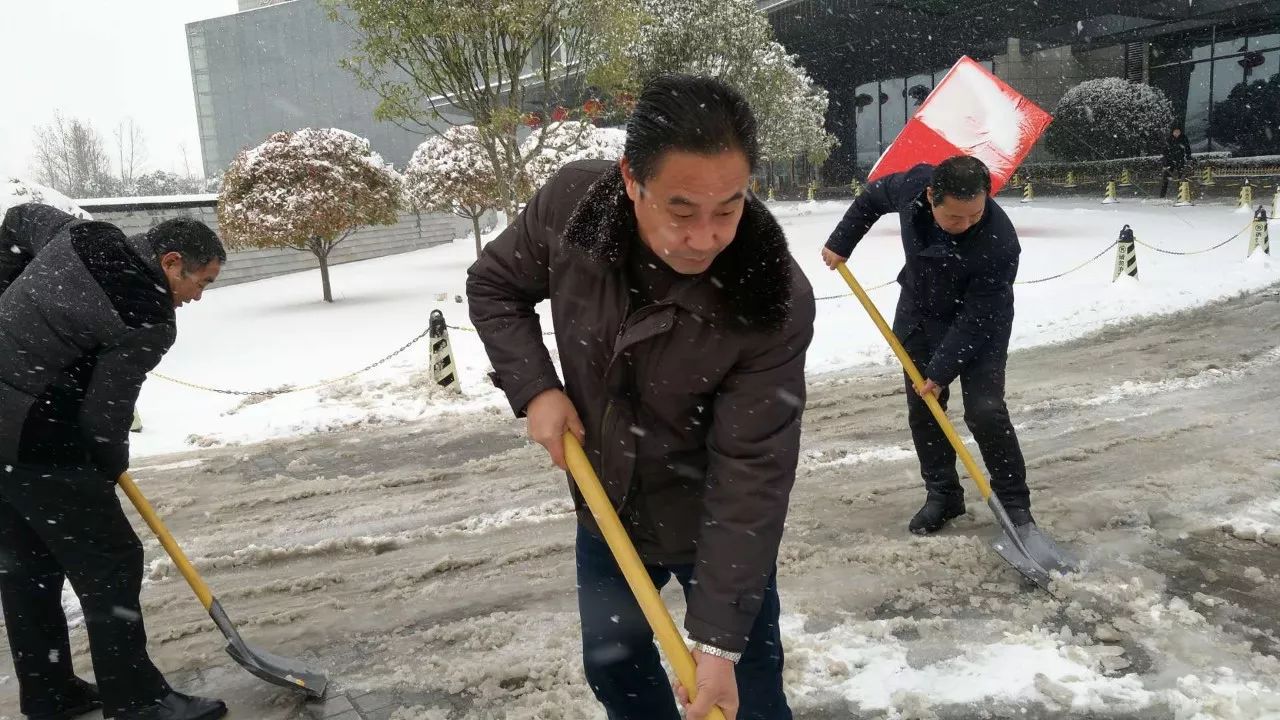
[(682, 323)]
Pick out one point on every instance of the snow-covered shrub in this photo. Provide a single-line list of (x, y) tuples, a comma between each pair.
[(17, 191), (1109, 118)]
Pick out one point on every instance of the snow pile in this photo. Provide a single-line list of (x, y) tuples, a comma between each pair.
[(1259, 522)]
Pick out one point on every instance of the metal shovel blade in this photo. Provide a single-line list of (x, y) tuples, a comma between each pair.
[(1033, 553), (279, 671), (276, 670)]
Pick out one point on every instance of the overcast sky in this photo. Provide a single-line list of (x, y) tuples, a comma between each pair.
[(101, 61)]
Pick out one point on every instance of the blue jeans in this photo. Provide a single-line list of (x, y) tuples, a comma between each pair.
[(621, 659)]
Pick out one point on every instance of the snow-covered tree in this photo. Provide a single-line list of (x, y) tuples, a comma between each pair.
[(731, 40), (1109, 118), (452, 173), (564, 142), (500, 63), (306, 190)]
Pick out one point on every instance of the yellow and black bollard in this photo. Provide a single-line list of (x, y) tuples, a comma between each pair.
[(1184, 194), (771, 195), (1126, 179), (855, 187), (1028, 194), (1015, 181), (1260, 237), (444, 371), (1110, 196), (1206, 176), (1275, 203), (1246, 196), (1126, 255), (813, 191), (1071, 180)]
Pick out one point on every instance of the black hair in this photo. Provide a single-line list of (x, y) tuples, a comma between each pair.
[(688, 113), (192, 239), (962, 177)]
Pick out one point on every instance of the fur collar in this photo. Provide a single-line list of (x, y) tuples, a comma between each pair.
[(751, 279)]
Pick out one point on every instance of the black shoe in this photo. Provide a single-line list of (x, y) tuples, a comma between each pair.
[(937, 510), (1020, 517), (80, 698), (176, 706)]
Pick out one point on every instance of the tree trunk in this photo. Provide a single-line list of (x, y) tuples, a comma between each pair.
[(475, 225), (322, 255)]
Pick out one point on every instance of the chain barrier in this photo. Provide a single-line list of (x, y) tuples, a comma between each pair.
[(285, 391), (1195, 252), (881, 286), (1105, 250)]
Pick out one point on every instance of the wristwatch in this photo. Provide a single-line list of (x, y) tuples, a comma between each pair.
[(732, 657)]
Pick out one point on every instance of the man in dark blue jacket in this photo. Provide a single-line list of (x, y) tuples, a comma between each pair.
[(85, 314), (955, 315)]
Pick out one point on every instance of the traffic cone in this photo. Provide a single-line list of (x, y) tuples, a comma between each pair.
[(1184, 194), (1260, 236), (444, 371), (1110, 196), (1126, 255)]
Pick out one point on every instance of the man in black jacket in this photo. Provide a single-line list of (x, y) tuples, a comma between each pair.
[(1177, 156), (954, 317), (90, 314)]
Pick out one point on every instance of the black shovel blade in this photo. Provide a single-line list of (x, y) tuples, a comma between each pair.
[(279, 670), (276, 670)]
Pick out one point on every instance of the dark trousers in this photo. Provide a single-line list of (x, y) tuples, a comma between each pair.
[(1168, 175), (986, 415), (620, 657), (58, 524)]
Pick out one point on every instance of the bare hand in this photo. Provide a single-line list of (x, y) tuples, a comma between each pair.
[(717, 687), (929, 388), (549, 414), (831, 259)]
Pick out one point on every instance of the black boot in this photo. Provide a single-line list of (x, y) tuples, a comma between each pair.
[(176, 706), (938, 509), (79, 698)]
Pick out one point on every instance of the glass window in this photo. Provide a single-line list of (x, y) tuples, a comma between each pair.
[(918, 88), (867, 132), (893, 114), (1197, 122)]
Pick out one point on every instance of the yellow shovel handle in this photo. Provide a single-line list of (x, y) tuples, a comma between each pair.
[(148, 514), (918, 380), (624, 552)]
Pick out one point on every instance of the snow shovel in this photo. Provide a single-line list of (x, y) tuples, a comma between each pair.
[(1027, 549), (272, 668), (624, 552)]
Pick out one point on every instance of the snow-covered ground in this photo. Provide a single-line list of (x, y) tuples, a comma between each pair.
[(276, 332)]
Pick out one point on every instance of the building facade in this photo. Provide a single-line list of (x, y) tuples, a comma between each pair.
[(879, 59), (277, 66)]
